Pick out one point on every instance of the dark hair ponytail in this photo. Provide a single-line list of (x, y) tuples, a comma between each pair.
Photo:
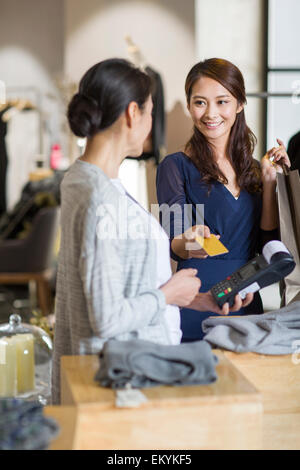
[(105, 92), (84, 115), (241, 141)]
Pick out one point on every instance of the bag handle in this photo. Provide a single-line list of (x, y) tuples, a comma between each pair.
[(286, 169)]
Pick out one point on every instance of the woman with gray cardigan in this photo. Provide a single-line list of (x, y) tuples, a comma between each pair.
[(114, 276)]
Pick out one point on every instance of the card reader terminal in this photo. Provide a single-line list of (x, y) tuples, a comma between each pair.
[(271, 266)]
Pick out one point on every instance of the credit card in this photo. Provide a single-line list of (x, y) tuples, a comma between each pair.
[(212, 245)]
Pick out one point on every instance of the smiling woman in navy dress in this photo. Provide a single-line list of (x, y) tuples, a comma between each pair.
[(217, 169)]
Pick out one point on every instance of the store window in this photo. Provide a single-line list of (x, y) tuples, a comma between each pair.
[(283, 70)]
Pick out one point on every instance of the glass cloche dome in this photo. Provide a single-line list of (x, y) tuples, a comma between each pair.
[(25, 361)]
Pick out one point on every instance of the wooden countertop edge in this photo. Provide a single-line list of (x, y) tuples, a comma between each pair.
[(66, 419), (153, 394)]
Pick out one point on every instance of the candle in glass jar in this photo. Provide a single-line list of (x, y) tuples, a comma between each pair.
[(25, 362), (8, 368)]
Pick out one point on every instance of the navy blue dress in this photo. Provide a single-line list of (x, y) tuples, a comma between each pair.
[(237, 221)]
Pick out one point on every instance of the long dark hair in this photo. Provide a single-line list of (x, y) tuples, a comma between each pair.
[(105, 91), (241, 142)]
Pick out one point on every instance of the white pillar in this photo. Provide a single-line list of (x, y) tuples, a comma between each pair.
[(233, 30)]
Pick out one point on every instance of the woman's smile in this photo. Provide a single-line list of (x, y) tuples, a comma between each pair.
[(212, 125)]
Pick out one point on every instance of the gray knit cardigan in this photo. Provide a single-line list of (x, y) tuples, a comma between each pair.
[(106, 270)]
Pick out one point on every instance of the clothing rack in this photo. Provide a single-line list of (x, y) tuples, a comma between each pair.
[(268, 94)]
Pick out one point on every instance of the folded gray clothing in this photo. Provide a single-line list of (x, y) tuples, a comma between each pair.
[(270, 333), (143, 363)]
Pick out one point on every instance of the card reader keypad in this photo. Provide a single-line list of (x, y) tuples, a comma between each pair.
[(226, 286)]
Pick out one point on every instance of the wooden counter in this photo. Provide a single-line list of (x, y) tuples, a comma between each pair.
[(278, 380), (65, 417), (223, 415)]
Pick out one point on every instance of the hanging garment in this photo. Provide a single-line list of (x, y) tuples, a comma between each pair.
[(3, 162), (23, 147), (17, 223), (158, 120), (158, 124)]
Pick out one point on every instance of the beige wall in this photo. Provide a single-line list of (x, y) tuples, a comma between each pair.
[(31, 42), (164, 32)]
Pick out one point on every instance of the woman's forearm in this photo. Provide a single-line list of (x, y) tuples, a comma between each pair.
[(269, 217), (178, 247)]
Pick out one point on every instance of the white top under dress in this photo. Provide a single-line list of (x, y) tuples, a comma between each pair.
[(163, 270)]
